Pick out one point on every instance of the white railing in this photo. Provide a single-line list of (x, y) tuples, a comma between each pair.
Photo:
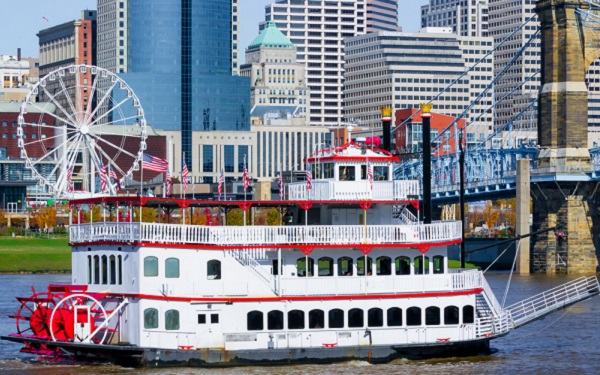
[(267, 235), (354, 190), (491, 299), (551, 300), (348, 285)]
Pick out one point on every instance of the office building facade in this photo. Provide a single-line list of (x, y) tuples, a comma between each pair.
[(318, 30), (465, 17), (179, 63), (404, 69)]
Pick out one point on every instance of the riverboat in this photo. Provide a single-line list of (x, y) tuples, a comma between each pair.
[(351, 273)]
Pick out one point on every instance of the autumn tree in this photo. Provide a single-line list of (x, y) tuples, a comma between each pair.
[(149, 215), (93, 215), (490, 215), (3, 220), (272, 216), (46, 217)]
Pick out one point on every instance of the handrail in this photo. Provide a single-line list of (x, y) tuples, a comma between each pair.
[(267, 235), (354, 190)]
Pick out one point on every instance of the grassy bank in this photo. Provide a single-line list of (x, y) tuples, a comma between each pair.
[(35, 255), (456, 264)]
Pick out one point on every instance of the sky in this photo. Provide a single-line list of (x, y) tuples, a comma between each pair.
[(24, 19)]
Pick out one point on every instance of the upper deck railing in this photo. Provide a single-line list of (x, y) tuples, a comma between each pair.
[(354, 190), (266, 235)]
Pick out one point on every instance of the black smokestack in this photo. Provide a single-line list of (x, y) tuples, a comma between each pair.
[(426, 116), (18, 54), (386, 122)]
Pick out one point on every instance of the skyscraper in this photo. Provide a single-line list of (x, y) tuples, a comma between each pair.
[(318, 30), (179, 62), (465, 17), (505, 17)]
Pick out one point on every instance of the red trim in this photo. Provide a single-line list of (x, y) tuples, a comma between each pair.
[(267, 246), (160, 297)]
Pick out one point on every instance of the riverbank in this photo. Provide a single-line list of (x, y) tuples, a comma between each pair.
[(35, 255)]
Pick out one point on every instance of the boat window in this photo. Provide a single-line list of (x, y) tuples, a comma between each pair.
[(255, 321), (336, 318), (275, 320), (327, 171), (96, 269), (345, 266), (213, 270), (120, 270), (296, 319), (150, 266), (214, 318), (277, 270), (402, 265), (375, 317), (394, 317), (381, 173), (201, 318), (468, 314), (413, 316), (172, 320), (419, 265), (360, 265), (432, 316), (150, 318), (113, 270), (346, 173), (89, 269), (316, 319), (356, 318), (301, 267), (325, 266), (451, 315), (438, 264), (104, 269), (171, 268), (384, 266)]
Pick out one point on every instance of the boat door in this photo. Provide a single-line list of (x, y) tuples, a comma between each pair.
[(208, 329)]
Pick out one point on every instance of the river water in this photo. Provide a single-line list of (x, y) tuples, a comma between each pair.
[(566, 342)]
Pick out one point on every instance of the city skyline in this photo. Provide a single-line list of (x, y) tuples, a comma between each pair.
[(31, 21)]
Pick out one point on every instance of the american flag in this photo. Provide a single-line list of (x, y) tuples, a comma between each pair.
[(152, 163), (184, 175), (169, 183), (309, 178), (370, 173), (103, 177), (70, 180), (280, 184), (112, 174), (245, 177), (221, 181)]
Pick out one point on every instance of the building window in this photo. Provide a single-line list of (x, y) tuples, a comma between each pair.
[(275, 320), (255, 321), (228, 151), (150, 266), (296, 319), (316, 319), (172, 320), (213, 269), (356, 318), (207, 158), (150, 318), (172, 268), (242, 151), (394, 317)]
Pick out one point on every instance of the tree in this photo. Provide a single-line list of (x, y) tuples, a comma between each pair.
[(235, 217), (46, 217), (3, 220), (81, 217), (148, 215), (93, 215), (272, 216), (490, 215)]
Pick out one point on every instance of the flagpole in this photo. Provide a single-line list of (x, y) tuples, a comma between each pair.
[(181, 182), (244, 186)]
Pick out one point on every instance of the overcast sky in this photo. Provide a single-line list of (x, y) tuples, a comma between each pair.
[(22, 19)]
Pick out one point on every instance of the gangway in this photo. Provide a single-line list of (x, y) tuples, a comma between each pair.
[(552, 300)]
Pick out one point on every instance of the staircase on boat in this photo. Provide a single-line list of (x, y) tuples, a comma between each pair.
[(540, 305)]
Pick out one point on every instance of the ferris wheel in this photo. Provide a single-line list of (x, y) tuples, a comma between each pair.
[(81, 130)]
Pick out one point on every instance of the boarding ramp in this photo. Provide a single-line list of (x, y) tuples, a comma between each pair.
[(552, 300)]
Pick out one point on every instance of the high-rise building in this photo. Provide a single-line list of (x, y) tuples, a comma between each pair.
[(18, 76), (465, 17), (235, 25), (70, 43), (318, 30), (179, 62), (277, 80), (405, 69), (505, 16)]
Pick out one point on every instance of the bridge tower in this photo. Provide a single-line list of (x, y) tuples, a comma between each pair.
[(564, 196)]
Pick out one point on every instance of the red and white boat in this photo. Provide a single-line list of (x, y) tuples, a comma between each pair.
[(353, 274)]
